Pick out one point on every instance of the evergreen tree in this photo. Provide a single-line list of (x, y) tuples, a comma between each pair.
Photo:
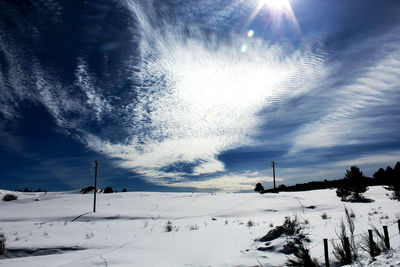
[(389, 174), (353, 184), (394, 180), (380, 176), (259, 188)]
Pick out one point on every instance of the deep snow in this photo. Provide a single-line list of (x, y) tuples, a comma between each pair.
[(129, 229)]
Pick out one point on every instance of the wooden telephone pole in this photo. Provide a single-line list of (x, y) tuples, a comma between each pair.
[(95, 185), (273, 173)]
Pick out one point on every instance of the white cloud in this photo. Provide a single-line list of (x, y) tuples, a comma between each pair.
[(199, 96), (351, 106), (204, 100)]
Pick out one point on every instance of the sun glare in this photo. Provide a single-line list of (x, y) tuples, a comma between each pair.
[(279, 10), (276, 4)]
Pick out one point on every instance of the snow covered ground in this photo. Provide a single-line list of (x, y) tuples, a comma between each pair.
[(129, 229)]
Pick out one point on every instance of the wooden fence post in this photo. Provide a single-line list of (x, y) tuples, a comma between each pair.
[(347, 250), (387, 242), (326, 252), (398, 224), (371, 243)]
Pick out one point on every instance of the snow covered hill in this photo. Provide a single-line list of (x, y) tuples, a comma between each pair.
[(179, 229)]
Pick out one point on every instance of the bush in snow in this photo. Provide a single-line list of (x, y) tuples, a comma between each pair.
[(291, 226), (9, 197), (353, 184), (302, 258), (259, 188), (168, 227), (194, 227), (2, 243), (87, 189), (346, 250), (108, 190)]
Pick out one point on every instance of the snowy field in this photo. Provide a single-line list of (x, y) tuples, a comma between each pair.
[(130, 229)]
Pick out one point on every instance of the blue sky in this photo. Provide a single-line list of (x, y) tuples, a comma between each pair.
[(196, 95)]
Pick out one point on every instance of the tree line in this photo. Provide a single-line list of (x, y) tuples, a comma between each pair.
[(351, 186)]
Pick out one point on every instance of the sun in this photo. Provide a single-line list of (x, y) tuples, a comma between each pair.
[(277, 5), (278, 10)]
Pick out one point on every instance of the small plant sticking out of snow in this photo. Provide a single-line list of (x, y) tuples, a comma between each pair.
[(302, 258), (9, 197), (324, 216), (250, 223), (346, 250), (89, 235), (2, 243), (169, 227), (384, 217), (226, 222), (373, 212), (194, 227)]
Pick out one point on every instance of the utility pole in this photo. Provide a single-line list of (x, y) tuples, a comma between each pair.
[(273, 173), (95, 185)]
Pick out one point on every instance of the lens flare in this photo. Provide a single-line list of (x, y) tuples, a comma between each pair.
[(278, 10)]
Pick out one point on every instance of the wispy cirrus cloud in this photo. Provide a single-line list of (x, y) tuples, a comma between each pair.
[(201, 98), (359, 99)]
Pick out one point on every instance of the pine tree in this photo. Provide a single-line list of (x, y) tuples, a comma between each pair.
[(259, 188), (353, 184), (394, 180)]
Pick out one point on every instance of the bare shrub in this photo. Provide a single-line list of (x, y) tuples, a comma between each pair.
[(87, 189), (108, 190), (384, 217), (291, 226), (250, 223), (194, 227), (169, 227), (9, 197), (324, 216), (89, 235), (302, 258), (346, 250)]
